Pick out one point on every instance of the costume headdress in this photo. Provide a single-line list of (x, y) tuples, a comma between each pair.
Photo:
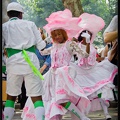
[(63, 20), (92, 23)]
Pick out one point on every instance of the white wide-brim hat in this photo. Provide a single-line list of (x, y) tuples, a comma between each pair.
[(15, 7), (92, 23)]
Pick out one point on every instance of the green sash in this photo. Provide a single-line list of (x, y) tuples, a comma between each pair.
[(11, 52), (3, 69)]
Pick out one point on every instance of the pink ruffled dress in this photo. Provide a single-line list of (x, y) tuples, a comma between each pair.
[(57, 89), (95, 79)]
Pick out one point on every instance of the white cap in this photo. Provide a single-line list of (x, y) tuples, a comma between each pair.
[(15, 6)]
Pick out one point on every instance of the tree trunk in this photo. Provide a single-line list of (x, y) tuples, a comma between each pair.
[(4, 10), (74, 6)]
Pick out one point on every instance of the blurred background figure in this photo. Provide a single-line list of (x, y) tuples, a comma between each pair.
[(111, 37), (44, 60), (42, 33)]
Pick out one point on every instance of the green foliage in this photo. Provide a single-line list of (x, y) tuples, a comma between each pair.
[(38, 10), (102, 9)]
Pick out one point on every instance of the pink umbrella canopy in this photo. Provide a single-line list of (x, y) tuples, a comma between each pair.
[(63, 20), (92, 23)]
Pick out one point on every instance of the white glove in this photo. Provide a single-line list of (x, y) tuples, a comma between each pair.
[(48, 40), (87, 36)]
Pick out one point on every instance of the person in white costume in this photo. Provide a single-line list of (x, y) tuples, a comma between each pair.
[(18, 36), (96, 79), (59, 96)]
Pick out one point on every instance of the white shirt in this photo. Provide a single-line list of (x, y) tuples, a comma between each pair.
[(21, 34)]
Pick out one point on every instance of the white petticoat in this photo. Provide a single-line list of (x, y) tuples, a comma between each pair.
[(95, 81)]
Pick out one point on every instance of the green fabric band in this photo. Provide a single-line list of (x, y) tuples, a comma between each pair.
[(3, 69), (73, 111), (35, 70), (116, 91), (11, 51), (13, 18), (38, 104), (9, 103), (43, 117), (99, 95), (67, 105), (6, 117)]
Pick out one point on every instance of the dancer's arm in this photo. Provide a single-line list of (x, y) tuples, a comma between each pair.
[(46, 51), (110, 36), (73, 48)]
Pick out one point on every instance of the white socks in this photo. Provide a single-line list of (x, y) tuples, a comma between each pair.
[(71, 107), (105, 108), (39, 110), (39, 113), (9, 110), (8, 113)]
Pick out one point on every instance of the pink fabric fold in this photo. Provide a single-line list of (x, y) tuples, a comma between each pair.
[(102, 82)]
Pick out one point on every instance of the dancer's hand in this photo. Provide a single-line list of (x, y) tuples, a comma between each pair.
[(87, 36)]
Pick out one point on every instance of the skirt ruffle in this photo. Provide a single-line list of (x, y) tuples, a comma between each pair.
[(60, 92), (79, 86)]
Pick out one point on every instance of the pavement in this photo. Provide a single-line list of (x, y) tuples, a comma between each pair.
[(97, 115)]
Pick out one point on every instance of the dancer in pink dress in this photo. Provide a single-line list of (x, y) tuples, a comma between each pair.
[(66, 84), (59, 97), (96, 79)]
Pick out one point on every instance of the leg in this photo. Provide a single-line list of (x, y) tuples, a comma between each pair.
[(39, 108), (72, 108), (34, 89), (14, 83), (9, 107), (105, 109), (115, 90)]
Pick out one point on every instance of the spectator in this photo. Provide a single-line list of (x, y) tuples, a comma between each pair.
[(111, 36), (44, 60), (42, 33)]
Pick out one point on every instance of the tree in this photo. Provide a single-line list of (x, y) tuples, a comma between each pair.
[(104, 9), (74, 6), (4, 10), (38, 10), (113, 6)]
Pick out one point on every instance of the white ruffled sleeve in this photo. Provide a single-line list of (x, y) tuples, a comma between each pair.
[(73, 48)]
